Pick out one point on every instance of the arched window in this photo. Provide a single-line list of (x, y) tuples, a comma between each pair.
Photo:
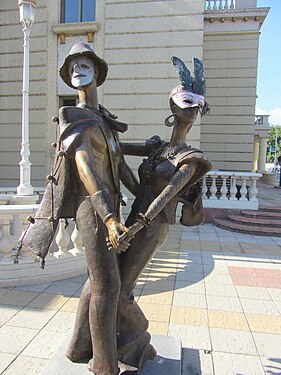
[(77, 10)]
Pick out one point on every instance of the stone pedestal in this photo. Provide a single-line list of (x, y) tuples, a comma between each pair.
[(167, 361)]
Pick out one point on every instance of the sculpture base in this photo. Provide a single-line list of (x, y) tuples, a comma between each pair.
[(167, 361)]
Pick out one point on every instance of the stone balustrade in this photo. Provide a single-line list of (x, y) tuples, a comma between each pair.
[(66, 258), (220, 4), (230, 190)]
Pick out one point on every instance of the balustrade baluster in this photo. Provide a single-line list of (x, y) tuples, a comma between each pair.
[(233, 189), (213, 188), (6, 240), (62, 239), (226, 4), (224, 189), (209, 7), (220, 6), (253, 191), (76, 238), (232, 4), (215, 7), (243, 190), (204, 188)]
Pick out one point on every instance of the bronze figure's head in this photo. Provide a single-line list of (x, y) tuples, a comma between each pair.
[(81, 66), (190, 93)]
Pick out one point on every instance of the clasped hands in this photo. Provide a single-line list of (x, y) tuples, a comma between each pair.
[(119, 236)]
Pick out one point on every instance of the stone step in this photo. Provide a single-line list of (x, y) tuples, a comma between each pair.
[(272, 222), (247, 228), (270, 209), (261, 214)]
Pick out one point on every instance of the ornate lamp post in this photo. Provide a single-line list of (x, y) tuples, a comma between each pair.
[(27, 15)]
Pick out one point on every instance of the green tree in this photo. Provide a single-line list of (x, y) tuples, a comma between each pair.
[(271, 144)]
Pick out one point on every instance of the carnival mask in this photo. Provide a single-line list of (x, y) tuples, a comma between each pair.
[(82, 71)]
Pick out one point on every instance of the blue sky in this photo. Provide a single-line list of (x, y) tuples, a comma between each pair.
[(269, 69)]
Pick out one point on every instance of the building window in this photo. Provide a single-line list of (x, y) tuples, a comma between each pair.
[(68, 100), (77, 10)]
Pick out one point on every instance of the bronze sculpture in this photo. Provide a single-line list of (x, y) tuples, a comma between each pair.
[(84, 184)]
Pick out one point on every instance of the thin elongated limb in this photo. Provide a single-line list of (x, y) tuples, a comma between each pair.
[(104, 288)]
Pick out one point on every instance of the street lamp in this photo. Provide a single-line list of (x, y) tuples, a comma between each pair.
[(27, 16)]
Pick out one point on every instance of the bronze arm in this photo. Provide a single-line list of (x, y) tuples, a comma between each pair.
[(141, 149), (128, 178)]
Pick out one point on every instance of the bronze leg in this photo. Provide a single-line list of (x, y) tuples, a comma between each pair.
[(80, 346), (104, 288), (132, 323)]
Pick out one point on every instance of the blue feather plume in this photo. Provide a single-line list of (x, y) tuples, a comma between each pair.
[(184, 74), (199, 84)]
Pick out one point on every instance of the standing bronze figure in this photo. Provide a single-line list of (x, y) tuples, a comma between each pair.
[(85, 184)]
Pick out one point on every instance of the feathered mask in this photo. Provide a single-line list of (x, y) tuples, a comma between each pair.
[(191, 91)]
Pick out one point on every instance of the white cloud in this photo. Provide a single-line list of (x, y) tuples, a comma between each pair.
[(274, 115)]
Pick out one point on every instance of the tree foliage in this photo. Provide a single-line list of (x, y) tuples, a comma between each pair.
[(271, 144)]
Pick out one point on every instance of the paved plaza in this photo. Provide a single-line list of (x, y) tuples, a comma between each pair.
[(218, 291)]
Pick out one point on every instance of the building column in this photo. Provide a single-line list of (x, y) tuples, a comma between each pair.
[(256, 151), (262, 154)]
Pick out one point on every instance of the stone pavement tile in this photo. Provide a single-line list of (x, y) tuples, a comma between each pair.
[(187, 275), (270, 273), (34, 288), (5, 360), (249, 271), (228, 320), (158, 328), (190, 244), (154, 312), (224, 303), (18, 297), (189, 316), (7, 312), (78, 292), (70, 306), (218, 279), (272, 365), (14, 339), (161, 285), (269, 345), (232, 341), (253, 293), (264, 323), (48, 301), (191, 336), (61, 322), (227, 363), (190, 300), (190, 287), (4, 291), (257, 306), (213, 258), (197, 362), (161, 275), (25, 365), (44, 345), (31, 318), (230, 246), (278, 305), (63, 287), (78, 279), (247, 280), (190, 267), (158, 297), (221, 290), (220, 269)]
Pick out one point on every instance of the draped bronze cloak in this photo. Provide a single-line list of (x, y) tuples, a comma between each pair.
[(60, 196)]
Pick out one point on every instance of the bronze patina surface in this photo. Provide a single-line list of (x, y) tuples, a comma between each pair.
[(110, 328)]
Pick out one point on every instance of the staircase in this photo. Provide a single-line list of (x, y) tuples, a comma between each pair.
[(264, 222)]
